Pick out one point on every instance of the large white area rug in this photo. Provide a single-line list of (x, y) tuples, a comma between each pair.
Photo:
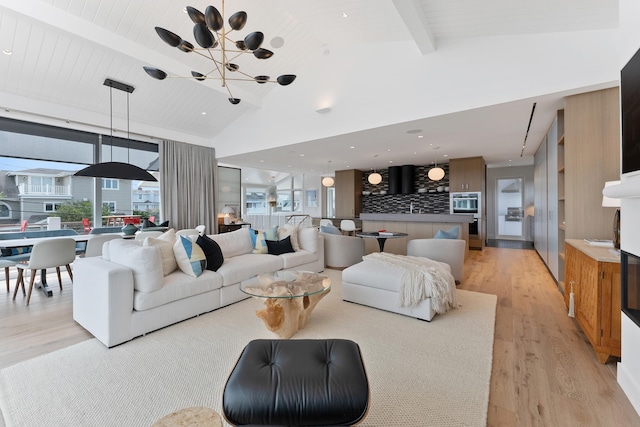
[(420, 373)]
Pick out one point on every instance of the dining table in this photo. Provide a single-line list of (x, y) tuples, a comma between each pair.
[(381, 236), (26, 242)]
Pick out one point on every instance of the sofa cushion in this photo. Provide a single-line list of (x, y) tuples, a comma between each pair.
[(234, 243), (289, 230), (277, 247), (145, 262), (212, 252), (308, 239), (177, 285), (296, 259), (451, 233), (169, 235), (189, 256), (167, 256), (243, 267)]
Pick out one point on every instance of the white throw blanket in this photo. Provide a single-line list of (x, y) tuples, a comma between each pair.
[(419, 275)]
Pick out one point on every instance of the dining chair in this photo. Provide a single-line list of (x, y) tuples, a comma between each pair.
[(86, 226), (23, 225), (45, 254), (347, 225), (6, 263), (94, 244)]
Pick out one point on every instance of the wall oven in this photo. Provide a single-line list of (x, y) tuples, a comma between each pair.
[(468, 203)]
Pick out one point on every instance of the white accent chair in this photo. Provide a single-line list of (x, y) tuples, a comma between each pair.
[(47, 254), (348, 226), (342, 251), (450, 251), (94, 244)]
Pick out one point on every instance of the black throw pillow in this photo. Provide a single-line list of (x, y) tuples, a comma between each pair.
[(212, 252), (277, 247), (164, 224)]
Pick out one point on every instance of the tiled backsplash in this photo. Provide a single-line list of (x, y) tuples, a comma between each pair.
[(428, 202)]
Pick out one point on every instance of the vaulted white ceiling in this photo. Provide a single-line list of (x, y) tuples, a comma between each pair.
[(462, 74)]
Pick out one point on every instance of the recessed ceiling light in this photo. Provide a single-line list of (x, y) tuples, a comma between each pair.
[(420, 136), (261, 161), (277, 42), (301, 155), (7, 51), (344, 15), (204, 113), (390, 161), (353, 146), (445, 155)]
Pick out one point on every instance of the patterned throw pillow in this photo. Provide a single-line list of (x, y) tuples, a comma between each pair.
[(189, 256), (259, 238)]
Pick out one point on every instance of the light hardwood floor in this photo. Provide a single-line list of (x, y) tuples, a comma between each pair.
[(545, 373)]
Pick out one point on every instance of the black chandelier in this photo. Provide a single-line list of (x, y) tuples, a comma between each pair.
[(213, 38)]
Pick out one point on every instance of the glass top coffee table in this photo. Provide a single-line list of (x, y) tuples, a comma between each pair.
[(290, 297)]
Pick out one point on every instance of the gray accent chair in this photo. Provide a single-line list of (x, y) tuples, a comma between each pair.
[(342, 251)]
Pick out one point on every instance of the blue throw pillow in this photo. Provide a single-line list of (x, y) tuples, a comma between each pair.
[(449, 234), (329, 229)]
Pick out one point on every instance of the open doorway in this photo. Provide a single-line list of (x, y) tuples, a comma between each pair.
[(509, 208)]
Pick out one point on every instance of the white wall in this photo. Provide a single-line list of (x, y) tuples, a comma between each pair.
[(629, 367)]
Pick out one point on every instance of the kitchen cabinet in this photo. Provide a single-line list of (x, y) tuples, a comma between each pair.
[(466, 174), (592, 273), (348, 186)]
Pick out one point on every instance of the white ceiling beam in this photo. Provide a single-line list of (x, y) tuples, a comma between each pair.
[(51, 16), (411, 13)]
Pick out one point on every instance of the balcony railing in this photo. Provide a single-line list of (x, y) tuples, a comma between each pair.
[(44, 190)]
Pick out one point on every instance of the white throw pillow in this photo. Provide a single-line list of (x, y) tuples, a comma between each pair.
[(308, 239), (169, 263), (144, 261), (169, 236), (189, 256), (289, 230)]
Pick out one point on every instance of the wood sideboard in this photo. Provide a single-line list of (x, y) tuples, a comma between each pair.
[(594, 275)]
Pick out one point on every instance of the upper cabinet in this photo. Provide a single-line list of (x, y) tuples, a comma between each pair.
[(466, 174)]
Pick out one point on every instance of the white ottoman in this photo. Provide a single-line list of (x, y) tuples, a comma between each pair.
[(376, 285)]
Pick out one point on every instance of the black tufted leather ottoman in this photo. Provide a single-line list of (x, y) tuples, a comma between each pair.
[(297, 383)]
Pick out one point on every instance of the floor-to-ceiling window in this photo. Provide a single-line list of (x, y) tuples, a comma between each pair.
[(38, 162)]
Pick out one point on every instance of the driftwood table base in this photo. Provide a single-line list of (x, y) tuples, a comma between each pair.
[(286, 316)]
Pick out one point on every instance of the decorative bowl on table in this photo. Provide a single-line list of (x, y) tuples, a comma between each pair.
[(129, 230)]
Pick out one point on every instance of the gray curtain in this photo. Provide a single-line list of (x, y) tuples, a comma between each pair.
[(188, 185)]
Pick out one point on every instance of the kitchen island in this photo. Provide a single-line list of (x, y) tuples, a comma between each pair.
[(417, 226)]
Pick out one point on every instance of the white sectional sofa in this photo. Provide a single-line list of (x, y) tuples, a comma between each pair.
[(118, 301)]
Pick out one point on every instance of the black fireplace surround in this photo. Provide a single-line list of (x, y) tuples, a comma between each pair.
[(630, 285)]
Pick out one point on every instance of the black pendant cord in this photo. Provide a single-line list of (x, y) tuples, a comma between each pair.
[(128, 140), (111, 118)]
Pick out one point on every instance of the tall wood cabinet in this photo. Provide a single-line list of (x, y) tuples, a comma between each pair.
[(593, 275), (579, 154), (348, 185), (466, 174)]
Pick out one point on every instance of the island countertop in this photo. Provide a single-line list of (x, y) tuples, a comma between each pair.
[(455, 218)]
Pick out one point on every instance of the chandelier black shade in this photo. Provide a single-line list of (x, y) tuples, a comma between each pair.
[(210, 34), (117, 170)]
